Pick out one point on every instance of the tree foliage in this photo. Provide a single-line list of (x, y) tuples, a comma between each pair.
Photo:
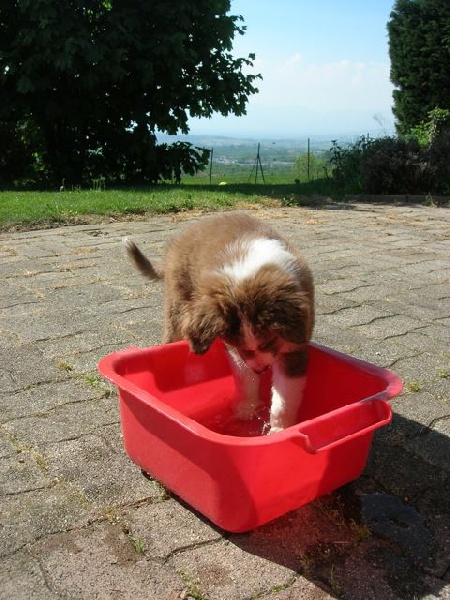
[(94, 80), (435, 127), (310, 165), (419, 47)]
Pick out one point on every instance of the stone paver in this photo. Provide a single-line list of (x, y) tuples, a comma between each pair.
[(78, 520)]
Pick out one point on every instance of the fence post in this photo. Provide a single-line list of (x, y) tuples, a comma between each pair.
[(210, 165), (309, 158)]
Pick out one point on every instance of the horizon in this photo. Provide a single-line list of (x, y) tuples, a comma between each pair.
[(325, 70), (268, 139)]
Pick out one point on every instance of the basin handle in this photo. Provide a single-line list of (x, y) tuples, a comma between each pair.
[(341, 425)]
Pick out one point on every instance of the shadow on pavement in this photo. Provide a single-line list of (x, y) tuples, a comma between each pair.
[(386, 535)]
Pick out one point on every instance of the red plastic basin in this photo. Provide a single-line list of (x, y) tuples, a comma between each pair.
[(169, 397)]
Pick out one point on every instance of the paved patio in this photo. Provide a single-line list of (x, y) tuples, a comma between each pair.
[(78, 520)]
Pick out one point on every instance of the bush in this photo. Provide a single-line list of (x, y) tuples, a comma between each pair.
[(392, 165), (346, 163), (427, 132), (437, 155)]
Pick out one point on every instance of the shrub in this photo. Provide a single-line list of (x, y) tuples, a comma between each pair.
[(437, 155), (346, 163), (394, 165), (427, 132)]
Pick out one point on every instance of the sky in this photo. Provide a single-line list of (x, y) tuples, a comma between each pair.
[(325, 67)]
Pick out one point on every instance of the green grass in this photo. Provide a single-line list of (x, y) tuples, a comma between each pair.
[(413, 386), (138, 544), (29, 210)]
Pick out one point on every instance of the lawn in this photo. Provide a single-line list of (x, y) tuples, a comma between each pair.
[(29, 210)]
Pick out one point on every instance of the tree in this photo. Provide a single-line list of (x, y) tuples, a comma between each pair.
[(310, 165), (419, 48), (98, 78)]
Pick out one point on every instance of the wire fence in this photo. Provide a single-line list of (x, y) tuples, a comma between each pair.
[(268, 162)]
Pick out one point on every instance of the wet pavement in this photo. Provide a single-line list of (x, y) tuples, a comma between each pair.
[(78, 520)]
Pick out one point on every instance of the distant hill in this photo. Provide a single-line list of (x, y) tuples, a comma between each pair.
[(273, 152), (212, 141)]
